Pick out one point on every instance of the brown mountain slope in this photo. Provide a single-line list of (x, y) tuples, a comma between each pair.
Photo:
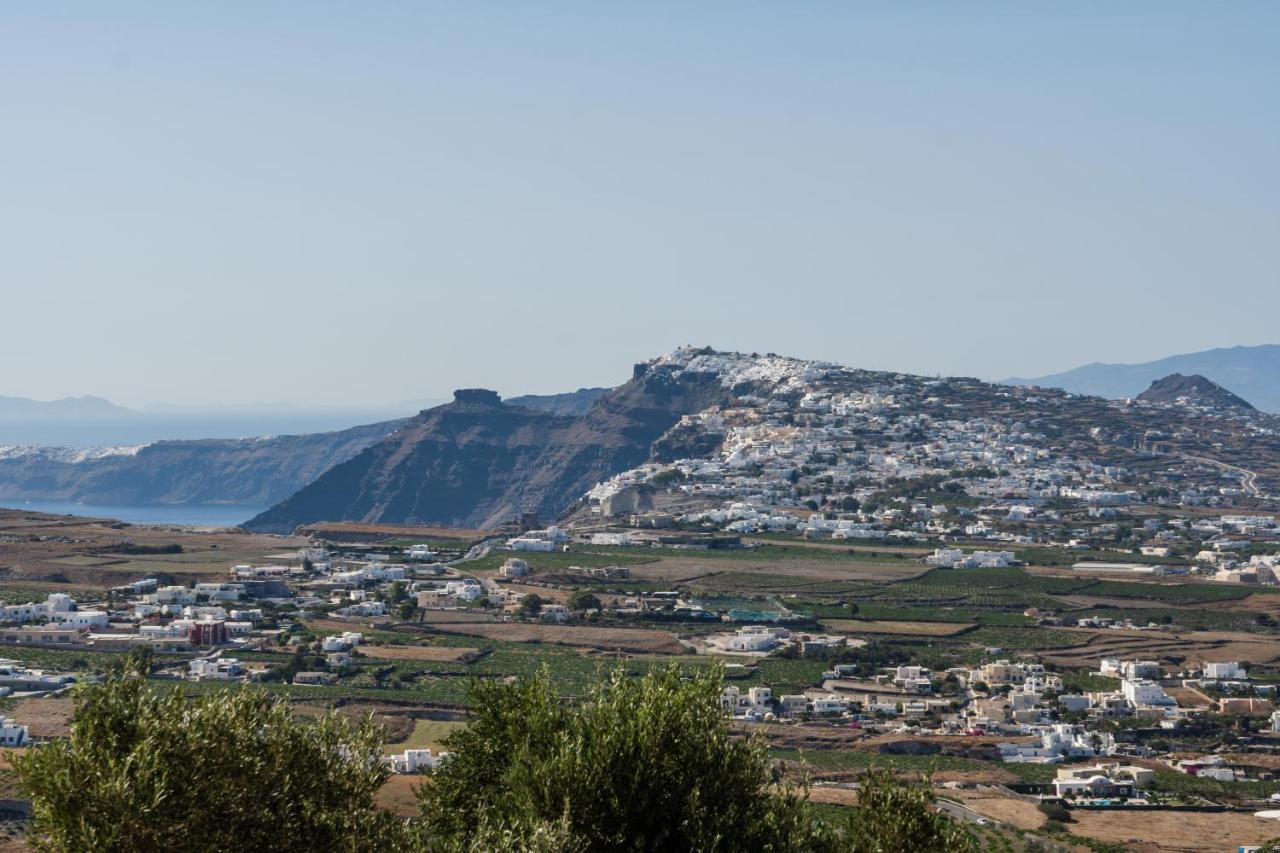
[(477, 463), (1195, 390)]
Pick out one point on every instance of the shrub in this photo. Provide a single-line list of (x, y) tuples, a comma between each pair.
[(144, 771)]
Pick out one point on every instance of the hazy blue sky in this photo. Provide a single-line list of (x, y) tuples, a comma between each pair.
[(369, 202)]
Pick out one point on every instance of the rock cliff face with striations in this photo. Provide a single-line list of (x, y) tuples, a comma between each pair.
[(1194, 390), (477, 463), (257, 471)]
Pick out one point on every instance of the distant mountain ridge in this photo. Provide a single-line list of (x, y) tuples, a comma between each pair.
[(1252, 373), (257, 471), (252, 471), (1196, 390), (23, 408)]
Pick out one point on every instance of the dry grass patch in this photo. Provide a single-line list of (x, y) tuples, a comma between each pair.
[(45, 716), (605, 639), (832, 795), (438, 653), (397, 795), (1005, 809), (1173, 831), (427, 734), (881, 626)]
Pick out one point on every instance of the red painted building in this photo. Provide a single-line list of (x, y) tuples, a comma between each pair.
[(210, 633)]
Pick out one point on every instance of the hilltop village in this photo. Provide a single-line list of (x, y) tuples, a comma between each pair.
[(1056, 616)]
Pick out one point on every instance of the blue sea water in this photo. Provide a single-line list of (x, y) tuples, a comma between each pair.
[(196, 515)]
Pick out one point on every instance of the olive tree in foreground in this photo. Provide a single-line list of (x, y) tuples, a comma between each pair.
[(649, 764), (640, 764), (149, 771), (893, 816)]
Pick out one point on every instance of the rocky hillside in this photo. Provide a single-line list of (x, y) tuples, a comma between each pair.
[(729, 430), (255, 471), (1192, 390), (573, 403), (477, 463)]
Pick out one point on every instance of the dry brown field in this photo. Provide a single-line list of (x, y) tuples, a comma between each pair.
[(441, 653), (397, 795), (883, 626), (605, 639), (438, 617), (997, 806), (834, 796), (1191, 647), (1188, 697), (45, 716), (77, 553), (1173, 832)]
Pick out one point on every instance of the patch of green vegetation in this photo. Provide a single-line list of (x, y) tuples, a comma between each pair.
[(1173, 782), (23, 594), (1024, 638), (1032, 774), (1084, 682), (908, 613), (836, 760), (786, 676), (427, 734), (1011, 578), (69, 660), (1186, 593), (1196, 618)]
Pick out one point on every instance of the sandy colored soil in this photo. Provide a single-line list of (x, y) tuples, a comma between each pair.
[(1188, 697), (467, 614), (1262, 602), (806, 737), (79, 553), (46, 716), (397, 795), (1152, 831), (418, 652), (1254, 759), (605, 639), (550, 593), (881, 626), (1192, 647), (998, 806), (835, 796)]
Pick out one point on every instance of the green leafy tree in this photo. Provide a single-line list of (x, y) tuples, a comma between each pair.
[(583, 600), (531, 604), (150, 771), (893, 816), (642, 764)]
